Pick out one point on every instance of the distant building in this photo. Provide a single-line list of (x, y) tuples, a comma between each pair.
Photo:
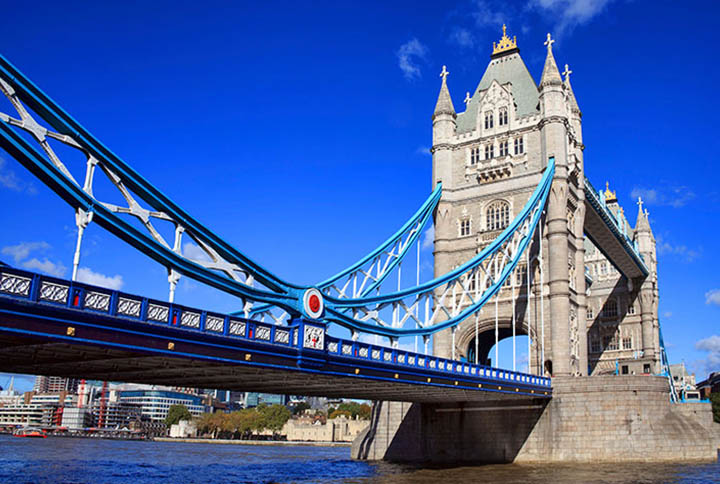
[(683, 380), (253, 399), (154, 404), (76, 418), (183, 429), (340, 429), (709, 385), (55, 384)]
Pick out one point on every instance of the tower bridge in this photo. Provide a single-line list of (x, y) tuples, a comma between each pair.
[(524, 245)]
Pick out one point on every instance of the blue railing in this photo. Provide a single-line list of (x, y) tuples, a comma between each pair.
[(48, 290)]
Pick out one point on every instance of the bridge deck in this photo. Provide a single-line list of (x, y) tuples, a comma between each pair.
[(80, 334)]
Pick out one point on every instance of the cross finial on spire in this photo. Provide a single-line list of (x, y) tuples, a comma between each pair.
[(444, 73), (640, 203), (467, 98), (567, 72), (549, 42)]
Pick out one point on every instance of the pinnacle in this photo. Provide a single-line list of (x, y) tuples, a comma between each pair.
[(444, 103), (551, 73)]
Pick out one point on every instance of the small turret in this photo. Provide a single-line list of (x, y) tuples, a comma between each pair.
[(444, 116), (551, 74), (444, 128)]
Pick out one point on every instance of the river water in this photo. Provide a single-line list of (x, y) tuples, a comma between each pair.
[(81, 461)]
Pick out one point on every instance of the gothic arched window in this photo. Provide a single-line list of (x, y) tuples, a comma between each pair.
[(503, 117), (488, 119), (498, 215)]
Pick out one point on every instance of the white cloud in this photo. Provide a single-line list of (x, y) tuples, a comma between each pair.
[(713, 297), (423, 150), (194, 252), (486, 16), (675, 197), (462, 37), (711, 362), (46, 265), (409, 55), (428, 238), (667, 314), (88, 276), (568, 14), (21, 251), (10, 180), (682, 251)]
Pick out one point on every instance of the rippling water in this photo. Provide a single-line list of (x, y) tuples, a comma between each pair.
[(80, 461)]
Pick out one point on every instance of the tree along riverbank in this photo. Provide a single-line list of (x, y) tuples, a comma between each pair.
[(281, 443)]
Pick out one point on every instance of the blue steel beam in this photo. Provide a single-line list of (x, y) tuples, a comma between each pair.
[(44, 310)]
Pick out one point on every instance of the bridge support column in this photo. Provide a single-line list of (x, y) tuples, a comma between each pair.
[(557, 236)]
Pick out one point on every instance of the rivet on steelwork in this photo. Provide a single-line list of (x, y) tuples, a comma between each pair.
[(70, 331), (171, 346)]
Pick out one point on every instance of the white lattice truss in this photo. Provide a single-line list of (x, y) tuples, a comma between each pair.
[(207, 256)]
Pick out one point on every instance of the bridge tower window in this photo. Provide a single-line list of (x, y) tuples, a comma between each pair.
[(503, 117), (504, 148), (519, 146), (610, 310), (489, 119), (464, 227), (475, 155), (590, 314), (631, 308), (498, 215), (489, 151)]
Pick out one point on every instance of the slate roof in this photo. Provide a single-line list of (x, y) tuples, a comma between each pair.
[(505, 69)]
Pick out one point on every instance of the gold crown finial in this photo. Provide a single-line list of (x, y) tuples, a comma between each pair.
[(610, 196), (505, 42)]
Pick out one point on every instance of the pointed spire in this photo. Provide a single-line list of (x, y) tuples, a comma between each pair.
[(643, 221), (551, 74), (571, 95), (444, 103)]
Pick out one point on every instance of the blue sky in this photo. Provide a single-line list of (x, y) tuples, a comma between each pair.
[(300, 134)]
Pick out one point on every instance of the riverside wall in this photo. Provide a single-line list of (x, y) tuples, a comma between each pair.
[(589, 419)]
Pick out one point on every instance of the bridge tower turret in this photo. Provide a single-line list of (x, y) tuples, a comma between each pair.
[(649, 289), (564, 258)]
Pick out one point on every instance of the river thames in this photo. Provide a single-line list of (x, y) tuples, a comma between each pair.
[(80, 461)]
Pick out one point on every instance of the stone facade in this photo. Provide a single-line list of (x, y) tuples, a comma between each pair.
[(589, 419), (340, 429), (489, 159)]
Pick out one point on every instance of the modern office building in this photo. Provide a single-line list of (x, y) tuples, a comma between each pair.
[(154, 404)]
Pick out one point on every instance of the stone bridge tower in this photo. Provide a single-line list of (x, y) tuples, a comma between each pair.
[(490, 158)]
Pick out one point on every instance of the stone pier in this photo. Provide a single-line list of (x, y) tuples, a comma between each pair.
[(589, 419)]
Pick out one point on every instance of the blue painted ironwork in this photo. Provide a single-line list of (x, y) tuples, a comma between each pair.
[(597, 202), (63, 302)]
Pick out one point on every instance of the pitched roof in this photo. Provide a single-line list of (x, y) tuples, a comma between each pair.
[(508, 69)]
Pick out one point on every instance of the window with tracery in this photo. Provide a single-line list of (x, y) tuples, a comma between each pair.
[(475, 155), (489, 120), (489, 151), (498, 215), (464, 227), (519, 146), (503, 117), (504, 148)]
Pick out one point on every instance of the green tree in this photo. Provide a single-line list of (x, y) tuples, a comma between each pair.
[(337, 413), (300, 408), (274, 416), (176, 413), (715, 399)]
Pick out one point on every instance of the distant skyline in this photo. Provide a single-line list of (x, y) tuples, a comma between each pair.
[(302, 135)]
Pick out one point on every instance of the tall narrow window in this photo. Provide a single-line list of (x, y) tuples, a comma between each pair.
[(519, 146), (503, 117), (590, 315), (504, 148), (631, 308), (610, 310), (489, 151), (464, 227), (627, 342), (475, 155), (498, 215), (488, 119)]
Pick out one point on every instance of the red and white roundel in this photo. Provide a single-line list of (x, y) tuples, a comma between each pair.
[(313, 303)]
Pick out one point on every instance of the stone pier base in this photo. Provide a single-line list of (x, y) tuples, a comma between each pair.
[(589, 419)]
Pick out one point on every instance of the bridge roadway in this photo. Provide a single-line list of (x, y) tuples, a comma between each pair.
[(57, 327)]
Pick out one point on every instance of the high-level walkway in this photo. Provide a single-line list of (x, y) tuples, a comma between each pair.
[(58, 327)]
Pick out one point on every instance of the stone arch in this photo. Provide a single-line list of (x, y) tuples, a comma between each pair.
[(465, 338)]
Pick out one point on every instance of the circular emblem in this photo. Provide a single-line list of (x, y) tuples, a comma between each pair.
[(313, 303)]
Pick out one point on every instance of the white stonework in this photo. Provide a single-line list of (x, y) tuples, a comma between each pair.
[(493, 154)]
